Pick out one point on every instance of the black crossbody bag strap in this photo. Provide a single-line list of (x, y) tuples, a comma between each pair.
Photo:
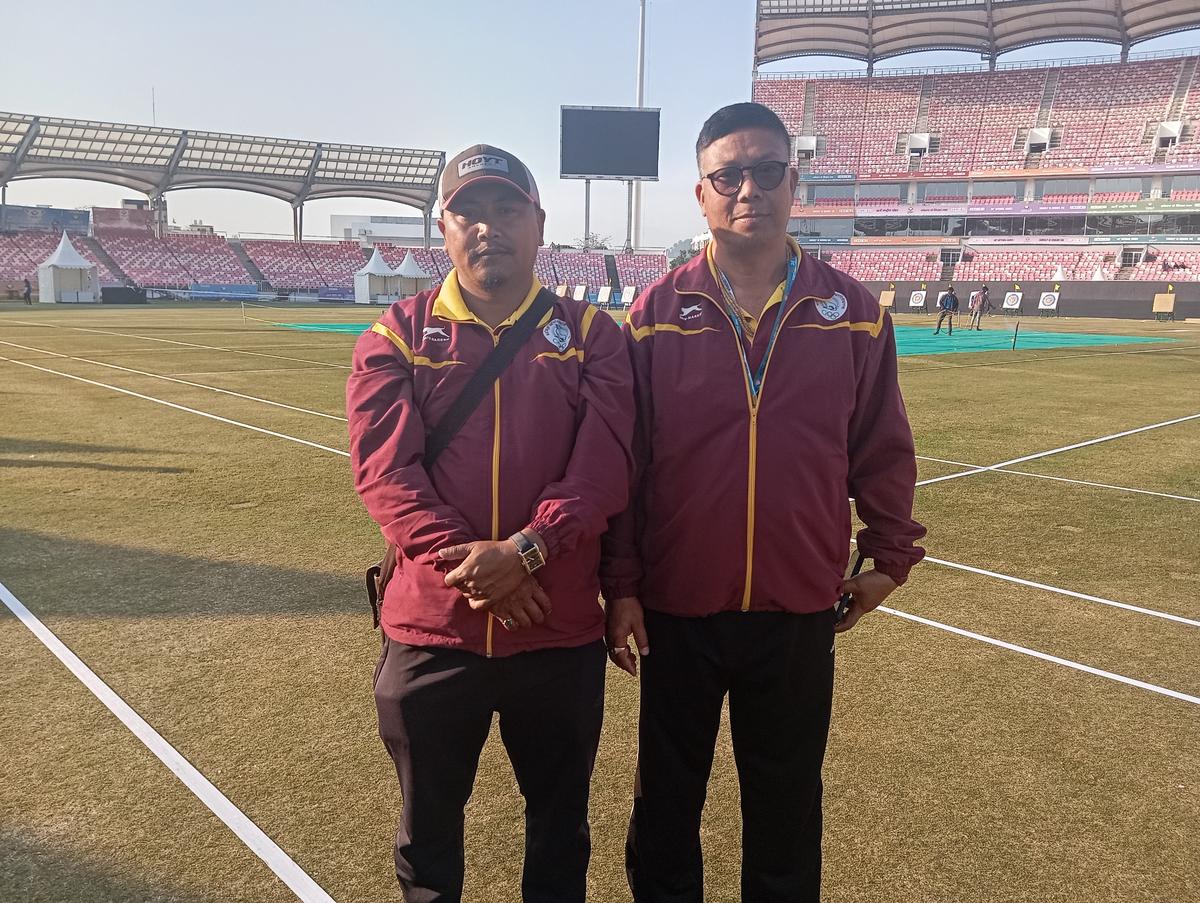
[(464, 405), (484, 378)]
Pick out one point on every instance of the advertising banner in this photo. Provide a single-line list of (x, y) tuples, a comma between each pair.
[(1143, 238), (910, 209), (1139, 169), (1158, 205), (44, 219), (826, 177), (1032, 240), (826, 211), (1022, 174), (923, 240), (814, 240), (1022, 208)]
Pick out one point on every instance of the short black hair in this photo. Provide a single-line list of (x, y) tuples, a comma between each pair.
[(735, 118)]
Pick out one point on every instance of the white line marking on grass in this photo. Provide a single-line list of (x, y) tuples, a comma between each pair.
[(1057, 590), (1044, 656), (247, 370), (1055, 451), (277, 404), (1045, 476), (945, 461), (179, 407), (149, 338), (279, 862), (1063, 592)]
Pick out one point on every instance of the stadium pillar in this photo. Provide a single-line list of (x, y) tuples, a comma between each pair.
[(3, 203), (629, 220), (635, 188), (297, 221), (426, 216), (587, 214)]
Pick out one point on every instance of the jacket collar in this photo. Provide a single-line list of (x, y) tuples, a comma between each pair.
[(698, 275), (449, 303)]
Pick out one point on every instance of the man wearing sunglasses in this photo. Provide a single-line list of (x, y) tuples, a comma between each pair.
[(767, 394)]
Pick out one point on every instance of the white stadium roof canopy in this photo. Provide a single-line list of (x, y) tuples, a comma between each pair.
[(872, 30), (154, 160)]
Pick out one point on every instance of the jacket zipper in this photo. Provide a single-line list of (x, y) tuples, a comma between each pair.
[(752, 465), (491, 621)]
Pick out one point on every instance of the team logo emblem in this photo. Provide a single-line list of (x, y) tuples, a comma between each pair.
[(832, 308), (689, 313), (558, 334), (434, 334)]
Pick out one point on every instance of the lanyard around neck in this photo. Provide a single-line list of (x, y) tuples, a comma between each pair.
[(755, 378)]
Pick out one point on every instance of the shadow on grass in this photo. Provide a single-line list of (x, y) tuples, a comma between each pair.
[(36, 873), (20, 445), (64, 577), (89, 465)]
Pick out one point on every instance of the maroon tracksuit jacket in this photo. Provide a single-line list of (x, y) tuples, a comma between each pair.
[(743, 505), (548, 448)]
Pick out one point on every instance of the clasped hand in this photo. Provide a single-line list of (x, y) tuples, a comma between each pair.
[(494, 580)]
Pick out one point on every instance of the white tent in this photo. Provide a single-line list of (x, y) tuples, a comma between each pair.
[(1099, 276), (65, 276), (1059, 274), (376, 282), (413, 279)]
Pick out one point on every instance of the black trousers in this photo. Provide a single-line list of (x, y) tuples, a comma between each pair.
[(778, 671), (435, 710)]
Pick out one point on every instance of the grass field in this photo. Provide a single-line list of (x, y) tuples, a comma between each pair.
[(209, 574)]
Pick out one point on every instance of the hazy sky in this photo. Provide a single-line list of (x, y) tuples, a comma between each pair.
[(439, 75)]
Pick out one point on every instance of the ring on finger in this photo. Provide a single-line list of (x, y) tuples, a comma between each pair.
[(509, 623)]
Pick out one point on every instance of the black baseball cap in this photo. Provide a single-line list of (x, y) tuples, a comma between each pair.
[(483, 162)]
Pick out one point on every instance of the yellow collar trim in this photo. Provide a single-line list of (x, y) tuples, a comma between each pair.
[(776, 296), (450, 304)]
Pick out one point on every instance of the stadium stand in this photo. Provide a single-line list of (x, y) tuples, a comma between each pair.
[(1078, 198), (544, 268), (1017, 263), (1109, 197), (37, 246), (335, 261), (15, 264), (207, 258), (1185, 194), (880, 265), (285, 264), (581, 268), (1098, 113), (144, 259), (993, 199), (640, 269), (1174, 266)]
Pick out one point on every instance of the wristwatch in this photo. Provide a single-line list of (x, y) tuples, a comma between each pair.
[(531, 553)]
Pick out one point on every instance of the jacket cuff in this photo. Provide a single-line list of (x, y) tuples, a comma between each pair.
[(897, 572), (549, 534), (619, 590)]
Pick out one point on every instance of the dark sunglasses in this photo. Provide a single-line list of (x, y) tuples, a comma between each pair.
[(767, 175)]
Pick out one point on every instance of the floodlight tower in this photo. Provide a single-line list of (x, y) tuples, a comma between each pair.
[(635, 188)]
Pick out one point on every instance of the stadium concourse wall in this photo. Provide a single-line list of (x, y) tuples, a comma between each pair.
[(1123, 300)]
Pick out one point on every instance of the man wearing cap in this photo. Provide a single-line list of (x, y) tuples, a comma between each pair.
[(493, 606), (766, 392)]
